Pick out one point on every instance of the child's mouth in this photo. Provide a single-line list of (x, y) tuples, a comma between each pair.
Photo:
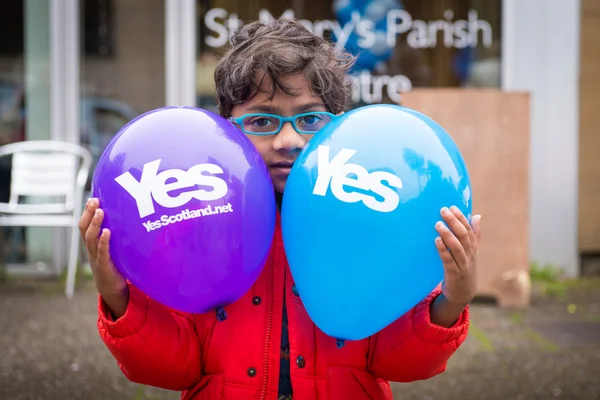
[(283, 167)]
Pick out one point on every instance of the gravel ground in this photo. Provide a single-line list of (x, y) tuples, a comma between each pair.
[(50, 349)]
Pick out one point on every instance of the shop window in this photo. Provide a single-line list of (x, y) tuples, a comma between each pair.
[(400, 44), (97, 26)]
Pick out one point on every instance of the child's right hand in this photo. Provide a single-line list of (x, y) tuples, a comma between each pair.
[(108, 281)]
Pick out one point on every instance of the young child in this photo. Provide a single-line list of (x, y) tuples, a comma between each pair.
[(268, 348)]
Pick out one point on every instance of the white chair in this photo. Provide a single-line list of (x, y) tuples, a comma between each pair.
[(55, 173)]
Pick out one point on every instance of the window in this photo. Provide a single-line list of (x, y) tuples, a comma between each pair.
[(400, 44)]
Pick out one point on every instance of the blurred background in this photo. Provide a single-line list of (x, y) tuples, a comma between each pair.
[(78, 70)]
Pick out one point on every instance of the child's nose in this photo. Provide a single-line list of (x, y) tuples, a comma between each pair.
[(288, 140)]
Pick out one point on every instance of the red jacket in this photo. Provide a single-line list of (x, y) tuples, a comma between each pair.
[(239, 357)]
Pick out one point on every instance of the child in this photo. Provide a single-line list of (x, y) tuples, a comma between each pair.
[(268, 348)]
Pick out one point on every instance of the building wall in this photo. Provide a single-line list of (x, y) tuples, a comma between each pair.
[(541, 56), (589, 167)]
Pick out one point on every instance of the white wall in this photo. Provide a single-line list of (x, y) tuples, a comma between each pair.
[(540, 55)]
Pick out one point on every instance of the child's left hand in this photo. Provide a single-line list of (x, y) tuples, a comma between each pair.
[(458, 245)]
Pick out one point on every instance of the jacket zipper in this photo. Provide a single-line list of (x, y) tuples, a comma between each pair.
[(270, 284)]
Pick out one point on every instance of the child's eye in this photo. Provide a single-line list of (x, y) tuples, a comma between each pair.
[(313, 122), (260, 124), (309, 119)]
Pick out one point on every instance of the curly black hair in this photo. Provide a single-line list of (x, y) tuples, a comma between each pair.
[(276, 50)]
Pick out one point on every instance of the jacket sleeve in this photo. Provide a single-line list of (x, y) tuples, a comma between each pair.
[(413, 348), (152, 344)]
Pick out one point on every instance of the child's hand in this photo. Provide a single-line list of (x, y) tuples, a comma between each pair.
[(109, 282), (458, 244)]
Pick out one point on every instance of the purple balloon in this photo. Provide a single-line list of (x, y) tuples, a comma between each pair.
[(190, 205)]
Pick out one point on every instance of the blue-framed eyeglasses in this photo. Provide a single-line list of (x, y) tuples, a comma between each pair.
[(271, 124)]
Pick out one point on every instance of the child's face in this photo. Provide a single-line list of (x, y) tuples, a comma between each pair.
[(279, 151)]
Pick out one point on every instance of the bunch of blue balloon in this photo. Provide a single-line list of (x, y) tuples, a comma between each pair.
[(359, 213), (350, 12)]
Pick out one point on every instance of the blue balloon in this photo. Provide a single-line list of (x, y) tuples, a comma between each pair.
[(376, 12), (368, 58), (343, 10), (359, 213)]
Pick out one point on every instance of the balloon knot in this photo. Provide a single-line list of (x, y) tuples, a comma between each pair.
[(221, 314), (339, 343)]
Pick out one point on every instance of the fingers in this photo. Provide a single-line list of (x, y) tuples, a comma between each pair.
[(453, 244), (93, 232), (463, 220), (476, 226), (86, 218), (103, 255), (445, 255), (458, 228)]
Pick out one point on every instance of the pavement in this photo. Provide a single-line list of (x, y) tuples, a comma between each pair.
[(50, 349)]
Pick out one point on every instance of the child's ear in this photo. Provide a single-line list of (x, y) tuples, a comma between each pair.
[(340, 113)]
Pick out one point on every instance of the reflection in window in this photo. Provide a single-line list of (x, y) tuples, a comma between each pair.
[(109, 121), (401, 44)]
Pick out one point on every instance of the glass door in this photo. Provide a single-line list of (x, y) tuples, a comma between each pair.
[(122, 66), (24, 114)]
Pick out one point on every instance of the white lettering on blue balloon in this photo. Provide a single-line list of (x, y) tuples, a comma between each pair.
[(335, 174)]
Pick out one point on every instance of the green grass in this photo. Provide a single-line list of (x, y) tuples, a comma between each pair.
[(541, 341), (481, 337), (139, 393), (516, 318), (553, 283), (149, 393), (547, 273), (550, 279), (556, 291), (584, 283)]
